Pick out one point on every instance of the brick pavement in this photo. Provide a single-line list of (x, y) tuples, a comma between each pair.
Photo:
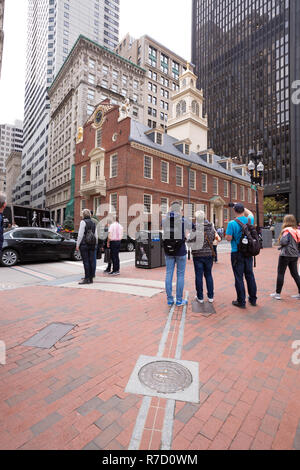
[(72, 396)]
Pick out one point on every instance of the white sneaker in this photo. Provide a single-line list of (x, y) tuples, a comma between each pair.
[(276, 296), (210, 300), (199, 300), (296, 296)]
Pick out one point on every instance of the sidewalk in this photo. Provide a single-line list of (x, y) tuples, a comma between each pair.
[(72, 396)]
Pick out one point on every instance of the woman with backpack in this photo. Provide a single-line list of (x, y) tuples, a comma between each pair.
[(86, 243), (289, 253)]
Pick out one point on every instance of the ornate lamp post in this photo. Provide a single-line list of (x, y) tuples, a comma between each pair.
[(256, 170)]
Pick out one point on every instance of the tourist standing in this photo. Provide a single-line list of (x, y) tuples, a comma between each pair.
[(174, 227), (115, 235), (203, 258), (289, 253), (86, 243), (242, 265), (2, 207)]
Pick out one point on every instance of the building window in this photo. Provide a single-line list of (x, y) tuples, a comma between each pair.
[(226, 185), (225, 214), (98, 170), (91, 79), (113, 203), (83, 205), (234, 191), (215, 186), (89, 109), (114, 166), (83, 174), (97, 201), (192, 179), (204, 183), (164, 172), (91, 95), (147, 204), (92, 63), (242, 193), (179, 176), (249, 196), (164, 205), (99, 138), (147, 167)]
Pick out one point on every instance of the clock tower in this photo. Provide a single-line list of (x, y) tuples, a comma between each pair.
[(187, 121)]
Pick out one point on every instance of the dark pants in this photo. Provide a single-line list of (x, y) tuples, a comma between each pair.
[(215, 247), (241, 267), (88, 258), (283, 263), (203, 266), (114, 252)]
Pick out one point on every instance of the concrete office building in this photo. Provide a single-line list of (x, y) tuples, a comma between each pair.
[(2, 3), (90, 74), (11, 140), (163, 68), (13, 170), (247, 59), (53, 28)]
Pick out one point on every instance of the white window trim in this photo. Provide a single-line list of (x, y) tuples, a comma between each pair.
[(179, 185), (226, 186), (81, 175), (112, 209), (216, 179), (150, 195), (167, 199), (194, 188), (168, 168), (206, 188), (147, 177), (234, 185), (110, 169)]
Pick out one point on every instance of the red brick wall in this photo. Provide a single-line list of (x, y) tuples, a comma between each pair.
[(130, 181)]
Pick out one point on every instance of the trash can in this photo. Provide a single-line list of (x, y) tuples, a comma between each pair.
[(148, 250), (266, 238)]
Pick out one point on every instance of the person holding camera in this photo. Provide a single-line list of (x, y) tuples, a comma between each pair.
[(242, 265)]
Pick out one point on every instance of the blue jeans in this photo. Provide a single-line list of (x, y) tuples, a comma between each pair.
[(203, 266), (180, 261), (241, 267)]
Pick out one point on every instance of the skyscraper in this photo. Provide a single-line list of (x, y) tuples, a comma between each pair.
[(53, 28), (11, 140), (246, 55), (1, 31)]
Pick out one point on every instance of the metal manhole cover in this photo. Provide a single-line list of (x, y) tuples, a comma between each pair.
[(165, 376)]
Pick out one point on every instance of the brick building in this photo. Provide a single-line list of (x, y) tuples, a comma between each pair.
[(119, 157)]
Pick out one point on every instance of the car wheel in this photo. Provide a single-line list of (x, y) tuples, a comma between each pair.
[(130, 246), (9, 258), (76, 256)]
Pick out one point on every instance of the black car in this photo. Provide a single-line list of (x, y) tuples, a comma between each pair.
[(36, 244)]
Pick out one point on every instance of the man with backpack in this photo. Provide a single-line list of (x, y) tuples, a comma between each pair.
[(245, 245), (86, 243), (174, 228)]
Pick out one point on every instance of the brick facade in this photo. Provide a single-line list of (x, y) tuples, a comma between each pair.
[(130, 180)]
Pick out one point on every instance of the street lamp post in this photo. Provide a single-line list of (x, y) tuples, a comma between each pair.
[(256, 170)]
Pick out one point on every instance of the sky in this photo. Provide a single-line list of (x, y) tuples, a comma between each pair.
[(167, 21)]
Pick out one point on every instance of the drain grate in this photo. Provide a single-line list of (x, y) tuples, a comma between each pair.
[(165, 376), (48, 336)]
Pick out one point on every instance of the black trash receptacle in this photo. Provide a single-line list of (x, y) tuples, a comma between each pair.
[(148, 250)]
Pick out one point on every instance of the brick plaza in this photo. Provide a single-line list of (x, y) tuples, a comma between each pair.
[(72, 396)]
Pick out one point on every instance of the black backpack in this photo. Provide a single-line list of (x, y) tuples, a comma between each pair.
[(250, 243), (89, 234), (172, 244)]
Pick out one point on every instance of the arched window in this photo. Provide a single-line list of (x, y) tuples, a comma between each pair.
[(195, 108), (183, 106), (178, 110), (192, 82)]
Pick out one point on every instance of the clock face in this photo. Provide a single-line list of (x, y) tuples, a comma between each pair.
[(98, 117)]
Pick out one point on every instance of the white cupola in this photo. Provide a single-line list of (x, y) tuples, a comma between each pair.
[(186, 120)]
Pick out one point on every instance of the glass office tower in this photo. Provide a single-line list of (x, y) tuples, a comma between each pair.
[(53, 28), (246, 54)]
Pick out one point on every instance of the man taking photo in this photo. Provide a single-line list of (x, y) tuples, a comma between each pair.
[(241, 265)]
